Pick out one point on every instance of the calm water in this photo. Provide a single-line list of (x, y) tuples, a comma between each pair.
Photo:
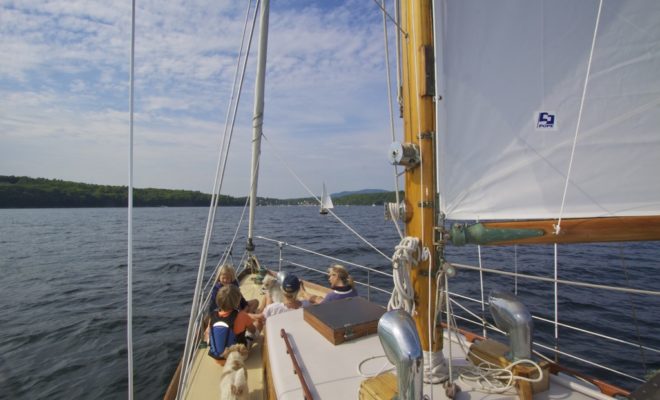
[(63, 290)]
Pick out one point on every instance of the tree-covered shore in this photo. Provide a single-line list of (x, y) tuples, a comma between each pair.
[(26, 192)]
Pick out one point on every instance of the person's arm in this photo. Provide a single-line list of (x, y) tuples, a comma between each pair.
[(214, 293), (312, 298), (259, 320), (246, 322)]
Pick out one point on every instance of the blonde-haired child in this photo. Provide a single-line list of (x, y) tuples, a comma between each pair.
[(226, 277)]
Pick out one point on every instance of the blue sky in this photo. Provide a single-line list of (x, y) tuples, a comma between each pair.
[(64, 94)]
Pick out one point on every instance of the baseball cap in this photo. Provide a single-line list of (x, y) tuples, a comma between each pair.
[(281, 275), (290, 284)]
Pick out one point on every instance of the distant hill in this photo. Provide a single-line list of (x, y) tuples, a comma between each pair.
[(366, 199), (26, 192), (363, 191)]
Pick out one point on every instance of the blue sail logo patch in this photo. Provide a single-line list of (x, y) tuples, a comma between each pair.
[(546, 120)]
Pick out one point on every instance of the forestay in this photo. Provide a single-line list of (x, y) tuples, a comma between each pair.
[(511, 76)]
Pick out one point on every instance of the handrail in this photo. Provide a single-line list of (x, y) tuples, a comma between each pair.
[(323, 255), (323, 272), (568, 326), (562, 281), (472, 336), (604, 387), (296, 366), (500, 272)]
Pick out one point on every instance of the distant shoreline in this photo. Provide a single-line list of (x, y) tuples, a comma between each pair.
[(21, 192)]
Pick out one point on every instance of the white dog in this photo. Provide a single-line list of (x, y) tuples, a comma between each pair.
[(233, 381), (271, 288)]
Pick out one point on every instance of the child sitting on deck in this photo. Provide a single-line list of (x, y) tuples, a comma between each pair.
[(228, 325), (290, 287), (227, 276)]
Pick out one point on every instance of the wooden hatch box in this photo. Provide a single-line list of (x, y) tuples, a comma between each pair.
[(345, 319)]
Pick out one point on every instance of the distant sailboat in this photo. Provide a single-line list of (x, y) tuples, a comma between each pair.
[(326, 202)]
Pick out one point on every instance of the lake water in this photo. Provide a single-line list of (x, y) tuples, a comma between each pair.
[(63, 290)]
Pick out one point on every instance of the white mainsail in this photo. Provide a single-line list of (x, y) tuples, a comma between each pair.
[(326, 201), (511, 75)]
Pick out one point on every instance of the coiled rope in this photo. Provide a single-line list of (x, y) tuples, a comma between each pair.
[(406, 255), (485, 376)]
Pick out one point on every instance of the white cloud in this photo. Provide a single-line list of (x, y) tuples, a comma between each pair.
[(65, 83)]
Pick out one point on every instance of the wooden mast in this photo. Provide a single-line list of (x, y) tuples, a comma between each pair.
[(419, 129)]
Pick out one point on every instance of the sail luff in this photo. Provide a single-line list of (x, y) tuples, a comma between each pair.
[(258, 115)]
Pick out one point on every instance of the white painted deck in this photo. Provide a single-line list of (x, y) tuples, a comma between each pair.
[(332, 372)]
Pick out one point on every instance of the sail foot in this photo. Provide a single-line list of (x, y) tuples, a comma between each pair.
[(435, 367), (462, 234)]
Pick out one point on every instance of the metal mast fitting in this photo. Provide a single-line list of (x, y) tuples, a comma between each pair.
[(404, 154)]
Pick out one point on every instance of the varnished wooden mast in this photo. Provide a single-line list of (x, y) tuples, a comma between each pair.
[(419, 128)]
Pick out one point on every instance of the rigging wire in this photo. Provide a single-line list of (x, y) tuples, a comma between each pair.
[(481, 286), (129, 278), (385, 13), (292, 172), (228, 249), (229, 127), (634, 311), (579, 117), (226, 255), (339, 260), (389, 109), (398, 57), (515, 269), (217, 186), (448, 305), (563, 281), (556, 301)]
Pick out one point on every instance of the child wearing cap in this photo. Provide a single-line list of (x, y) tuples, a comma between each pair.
[(290, 287)]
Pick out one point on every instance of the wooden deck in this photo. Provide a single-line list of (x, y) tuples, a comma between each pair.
[(205, 373), (332, 370)]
